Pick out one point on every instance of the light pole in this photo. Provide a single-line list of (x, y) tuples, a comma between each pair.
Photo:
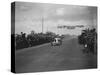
[(42, 24)]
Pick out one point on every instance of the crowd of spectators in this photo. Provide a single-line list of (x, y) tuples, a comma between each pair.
[(24, 40)]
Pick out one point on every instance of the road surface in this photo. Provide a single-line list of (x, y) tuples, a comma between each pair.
[(45, 57)]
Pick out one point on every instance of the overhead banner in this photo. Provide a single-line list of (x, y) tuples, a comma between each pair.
[(70, 27)]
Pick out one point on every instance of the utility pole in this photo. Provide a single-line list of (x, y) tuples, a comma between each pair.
[(58, 29), (42, 24)]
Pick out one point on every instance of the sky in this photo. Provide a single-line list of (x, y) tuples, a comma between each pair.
[(29, 16)]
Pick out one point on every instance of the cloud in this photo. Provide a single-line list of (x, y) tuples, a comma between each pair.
[(60, 11)]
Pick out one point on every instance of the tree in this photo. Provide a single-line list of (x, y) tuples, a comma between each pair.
[(88, 38), (32, 32)]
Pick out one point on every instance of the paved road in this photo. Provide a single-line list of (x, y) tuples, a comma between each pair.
[(69, 56)]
